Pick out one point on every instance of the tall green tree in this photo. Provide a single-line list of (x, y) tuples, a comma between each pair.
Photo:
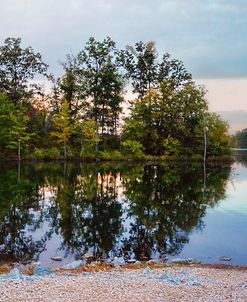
[(217, 137), (166, 116), (14, 132), (104, 84), (18, 66), (85, 133), (63, 128), (146, 71), (141, 65)]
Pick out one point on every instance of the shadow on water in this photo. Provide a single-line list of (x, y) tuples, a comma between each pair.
[(138, 210)]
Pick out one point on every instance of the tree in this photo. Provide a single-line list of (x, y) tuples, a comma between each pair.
[(240, 139), (73, 85), (145, 70), (141, 66), (104, 83), (63, 128), (218, 139), (18, 66), (14, 126), (86, 133), (166, 115)]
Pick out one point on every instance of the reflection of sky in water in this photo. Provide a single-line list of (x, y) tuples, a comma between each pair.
[(225, 225)]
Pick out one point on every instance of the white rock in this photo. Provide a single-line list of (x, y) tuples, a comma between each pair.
[(74, 264), (88, 255), (225, 258), (118, 261)]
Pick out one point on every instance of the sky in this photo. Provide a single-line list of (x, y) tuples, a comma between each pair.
[(209, 36)]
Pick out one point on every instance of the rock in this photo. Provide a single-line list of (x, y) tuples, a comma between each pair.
[(56, 258), (74, 264), (138, 262), (118, 261), (194, 261), (225, 258), (171, 279), (39, 271), (131, 261), (88, 255), (180, 261), (95, 263), (147, 270), (153, 261)]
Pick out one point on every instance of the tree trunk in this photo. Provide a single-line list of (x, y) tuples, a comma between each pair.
[(65, 150), (96, 143)]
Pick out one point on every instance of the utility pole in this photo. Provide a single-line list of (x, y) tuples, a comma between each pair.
[(205, 142)]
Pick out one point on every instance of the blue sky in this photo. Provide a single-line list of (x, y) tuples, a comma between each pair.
[(208, 35)]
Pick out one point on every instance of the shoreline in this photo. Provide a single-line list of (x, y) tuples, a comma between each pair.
[(171, 283)]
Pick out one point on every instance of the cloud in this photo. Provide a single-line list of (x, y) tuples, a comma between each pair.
[(209, 36), (237, 119)]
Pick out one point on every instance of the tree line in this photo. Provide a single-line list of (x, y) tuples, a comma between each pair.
[(81, 115)]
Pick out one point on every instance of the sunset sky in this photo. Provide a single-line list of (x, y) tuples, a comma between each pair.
[(209, 36)]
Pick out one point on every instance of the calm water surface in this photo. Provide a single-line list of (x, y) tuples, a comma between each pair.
[(140, 211)]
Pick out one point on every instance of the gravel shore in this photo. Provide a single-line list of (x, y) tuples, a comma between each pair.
[(166, 284)]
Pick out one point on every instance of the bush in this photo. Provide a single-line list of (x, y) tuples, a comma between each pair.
[(39, 153), (111, 155), (53, 153), (133, 149)]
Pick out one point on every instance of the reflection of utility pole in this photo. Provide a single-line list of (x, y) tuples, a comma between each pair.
[(19, 171)]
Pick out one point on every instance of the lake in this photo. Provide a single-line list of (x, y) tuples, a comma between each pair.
[(137, 210)]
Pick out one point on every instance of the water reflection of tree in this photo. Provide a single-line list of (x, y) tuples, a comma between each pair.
[(89, 215), (240, 156), (19, 198), (167, 203)]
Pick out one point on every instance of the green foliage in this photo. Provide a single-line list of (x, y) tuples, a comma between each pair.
[(52, 153), (217, 135), (240, 139), (145, 70), (17, 67), (86, 134), (39, 153), (165, 113), (14, 125), (133, 149), (104, 82), (81, 114), (171, 145), (62, 127), (111, 155)]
